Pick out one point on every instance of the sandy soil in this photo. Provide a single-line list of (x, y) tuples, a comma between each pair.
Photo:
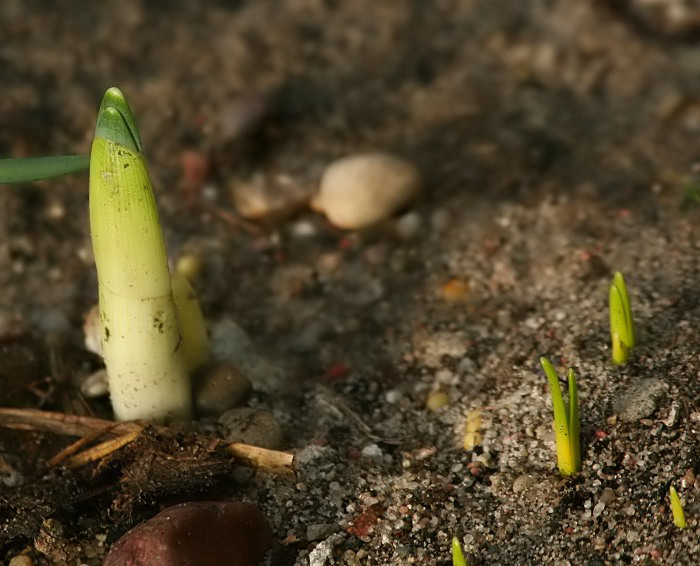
[(559, 143)]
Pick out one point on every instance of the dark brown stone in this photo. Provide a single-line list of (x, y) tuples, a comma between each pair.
[(215, 533)]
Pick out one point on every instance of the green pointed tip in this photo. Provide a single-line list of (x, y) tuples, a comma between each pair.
[(677, 509), (457, 556), (116, 123)]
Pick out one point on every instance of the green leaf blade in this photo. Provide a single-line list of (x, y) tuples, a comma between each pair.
[(574, 424), (620, 333), (29, 169), (630, 338), (561, 421)]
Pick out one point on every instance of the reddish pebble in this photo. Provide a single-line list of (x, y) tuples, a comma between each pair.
[(336, 371), (475, 468), (364, 523), (354, 454), (215, 533), (195, 171)]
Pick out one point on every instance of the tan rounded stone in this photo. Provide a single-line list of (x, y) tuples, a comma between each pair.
[(360, 190)]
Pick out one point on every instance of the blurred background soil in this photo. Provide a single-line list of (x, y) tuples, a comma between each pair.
[(558, 143)]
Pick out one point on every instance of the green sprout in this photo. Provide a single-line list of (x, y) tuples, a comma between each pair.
[(676, 508), (622, 333), (148, 345), (457, 556), (566, 423), (25, 170)]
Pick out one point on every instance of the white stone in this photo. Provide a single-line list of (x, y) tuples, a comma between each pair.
[(372, 452), (360, 190)]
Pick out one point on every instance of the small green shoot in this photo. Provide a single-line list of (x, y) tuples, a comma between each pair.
[(622, 333), (28, 169), (676, 508), (566, 423), (457, 556)]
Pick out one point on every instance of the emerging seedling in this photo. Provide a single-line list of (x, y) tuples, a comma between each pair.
[(152, 332), (676, 508), (622, 333), (141, 332), (566, 423), (457, 556)]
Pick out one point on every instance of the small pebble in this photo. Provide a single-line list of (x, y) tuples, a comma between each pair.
[(95, 385), (322, 552), (608, 496), (319, 531), (440, 220), (91, 330), (10, 475), (262, 196), (20, 560), (303, 229), (523, 483), (189, 266), (437, 400), (252, 426), (218, 387), (215, 533), (195, 172), (360, 190), (372, 452), (432, 347), (242, 115), (409, 225), (688, 479), (230, 342), (312, 453), (393, 396), (455, 291), (639, 400)]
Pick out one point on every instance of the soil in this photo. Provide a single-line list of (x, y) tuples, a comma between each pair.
[(559, 144)]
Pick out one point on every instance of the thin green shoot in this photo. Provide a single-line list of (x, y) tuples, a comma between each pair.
[(676, 508), (457, 556), (622, 332), (28, 169), (566, 421)]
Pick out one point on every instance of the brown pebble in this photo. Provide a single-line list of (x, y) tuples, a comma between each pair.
[(218, 387), (215, 533), (268, 197), (608, 496), (252, 426)]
